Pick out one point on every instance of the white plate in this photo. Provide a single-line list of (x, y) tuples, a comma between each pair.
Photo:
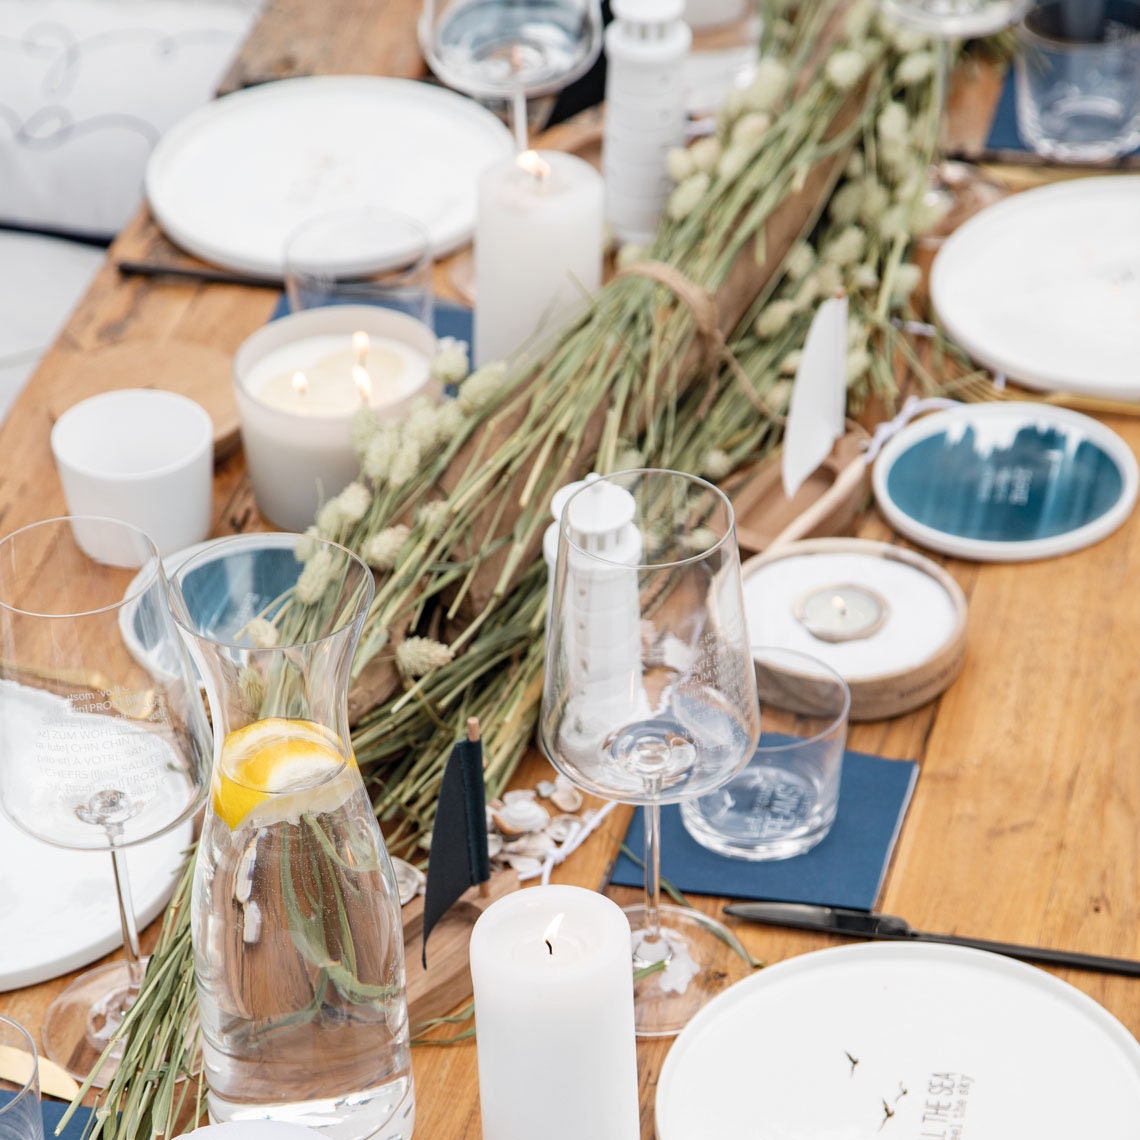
[(1006, 482), (58, 906), (1045, 287), (232, 180), (957, 1044)]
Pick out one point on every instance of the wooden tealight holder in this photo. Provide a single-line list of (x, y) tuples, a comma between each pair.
[(446, 982)]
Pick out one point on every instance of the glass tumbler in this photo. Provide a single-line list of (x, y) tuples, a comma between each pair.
[(1077, 74), (20, 1088), (298, 937), (784, 802)]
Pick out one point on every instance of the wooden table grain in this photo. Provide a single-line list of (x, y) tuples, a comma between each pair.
[(1025, 821)]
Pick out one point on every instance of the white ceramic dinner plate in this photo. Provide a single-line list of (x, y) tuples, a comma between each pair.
[(58, 907), (910, 1041), (235, 178), (1045, 287), (1006, 482)]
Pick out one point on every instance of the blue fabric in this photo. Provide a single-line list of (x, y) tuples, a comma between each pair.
[(845, 869), (450, 319), (53, 1112)]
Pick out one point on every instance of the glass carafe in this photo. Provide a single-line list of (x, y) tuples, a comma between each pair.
[(298, 942)]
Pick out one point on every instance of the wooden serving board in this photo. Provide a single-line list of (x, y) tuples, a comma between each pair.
[(763, 510)]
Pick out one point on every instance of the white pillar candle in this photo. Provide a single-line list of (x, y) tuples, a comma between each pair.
[(297, 433), (538, 247), (553, 982)]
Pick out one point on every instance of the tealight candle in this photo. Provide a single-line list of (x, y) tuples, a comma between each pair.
[(538, 247), (553, 985), (300, 380), (842, 612)]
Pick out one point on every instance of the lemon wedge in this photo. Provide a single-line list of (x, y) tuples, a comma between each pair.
[(274, 767)]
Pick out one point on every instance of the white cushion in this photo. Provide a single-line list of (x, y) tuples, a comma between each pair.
[(87, 87)]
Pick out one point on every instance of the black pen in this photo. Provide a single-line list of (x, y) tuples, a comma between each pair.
[(190, 273)]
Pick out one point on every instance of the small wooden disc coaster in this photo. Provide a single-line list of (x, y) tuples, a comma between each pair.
[(896, 665), (201, 373)]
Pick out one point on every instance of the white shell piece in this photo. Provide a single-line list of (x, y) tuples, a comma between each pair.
[(519, 796), (545, 788), (494, 844), (525, 864), (520, 817), (409, 880), (566, 797), (562, 827)]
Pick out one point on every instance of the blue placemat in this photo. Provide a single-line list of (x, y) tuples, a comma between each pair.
[(1004, 141), (53, 1112), (846, 869), (449, 320)]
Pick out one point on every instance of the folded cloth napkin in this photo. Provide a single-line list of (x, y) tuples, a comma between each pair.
[(845, 869)]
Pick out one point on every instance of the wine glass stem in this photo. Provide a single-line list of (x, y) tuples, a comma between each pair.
[(518, 120), (652, 871), (127, 919)]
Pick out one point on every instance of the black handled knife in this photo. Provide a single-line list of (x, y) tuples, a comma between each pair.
[(889, 928)]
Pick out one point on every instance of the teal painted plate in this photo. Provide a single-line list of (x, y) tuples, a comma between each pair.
[(1006, 482)]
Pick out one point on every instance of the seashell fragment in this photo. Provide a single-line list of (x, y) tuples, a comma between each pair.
[(525, 864), (565, 796), (545, 788), (494, 844), (521, 817), (518, 796), (562, 827), (409, 880)]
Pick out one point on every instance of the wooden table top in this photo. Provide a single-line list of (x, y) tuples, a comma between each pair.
[(1024, 823)]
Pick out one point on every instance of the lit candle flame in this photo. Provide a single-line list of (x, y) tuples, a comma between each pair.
[(533, 164), (363, 383), (840, 605), (360, 346), (552, 931), (300, 384)]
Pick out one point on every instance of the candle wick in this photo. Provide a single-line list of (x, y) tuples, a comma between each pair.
[(549, 946)]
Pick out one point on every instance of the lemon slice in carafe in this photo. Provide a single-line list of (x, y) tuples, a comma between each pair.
[(276, 768)]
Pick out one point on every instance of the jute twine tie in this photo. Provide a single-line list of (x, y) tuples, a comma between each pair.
[(702, 307)]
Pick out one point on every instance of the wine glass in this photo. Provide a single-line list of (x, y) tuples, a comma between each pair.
[(957, 188), (104, 746), (650, 695), (505, 52)]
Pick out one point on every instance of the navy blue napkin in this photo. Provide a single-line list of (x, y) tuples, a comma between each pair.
[(449, 320), (845, 869), (1004, 140), (52, 1111)]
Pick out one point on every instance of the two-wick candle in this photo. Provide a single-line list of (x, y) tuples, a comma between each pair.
[(552, 974)]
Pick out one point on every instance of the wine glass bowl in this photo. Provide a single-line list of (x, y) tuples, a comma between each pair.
[(956, 18), (649, 693), (104, 748)]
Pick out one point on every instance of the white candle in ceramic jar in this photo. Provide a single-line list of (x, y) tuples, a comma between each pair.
[(553, 983), (300, 380), (539, 236)]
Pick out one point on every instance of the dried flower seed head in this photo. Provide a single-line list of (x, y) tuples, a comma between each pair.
[(768, 85), (749, 129), (904, 39), (364, 425), (904, 282), (856, 165), (858, 361), (846, 203), (808, 292), (800, 261), (685, 197), (780, 395), (263, 634), (450, 363), (307, 544), (354, 502), (893, 123), (377, 458), (846, 248), (893, 223), (790, 365), (705, 153), (876, 198), (733, 161), (421, 425), (844, 69), (629, 254), (856, 332), (679, 163), (418, 656), (329, 520), (251, 686), (481, 386), (732, 107), (928, 213), (448, 420), (701, 539), (432, 516), (864, 277), (716, 464), (830, 279), (774, 319), (382, 550), (405, 465), (316, 577), (857, 21), (628, 459), (915, 68)]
